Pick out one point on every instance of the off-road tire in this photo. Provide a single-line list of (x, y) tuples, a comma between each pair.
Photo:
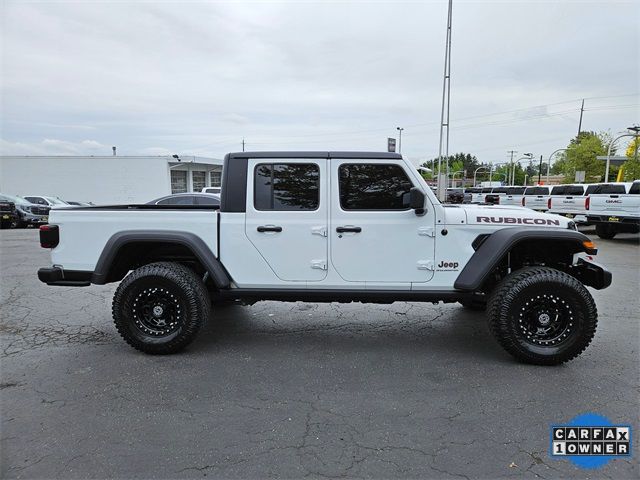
[(536, 294), (605, 231), (172, 291)]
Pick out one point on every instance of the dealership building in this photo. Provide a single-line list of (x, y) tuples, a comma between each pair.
[(107, 179)]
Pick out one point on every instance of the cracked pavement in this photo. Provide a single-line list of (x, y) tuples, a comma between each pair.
[(295, 390)]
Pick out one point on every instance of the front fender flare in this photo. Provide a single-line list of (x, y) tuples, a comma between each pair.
[(498, 244)]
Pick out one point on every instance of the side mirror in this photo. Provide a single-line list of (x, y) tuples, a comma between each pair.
[(416, 200)]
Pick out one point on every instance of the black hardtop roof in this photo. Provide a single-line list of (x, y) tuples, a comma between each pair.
[(294, 154)]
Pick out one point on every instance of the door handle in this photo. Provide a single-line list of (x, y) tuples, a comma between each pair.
[(269, 228), (348, 229)]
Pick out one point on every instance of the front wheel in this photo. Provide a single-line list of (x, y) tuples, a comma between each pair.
[(605, 231), (159, 308), (542, 316)]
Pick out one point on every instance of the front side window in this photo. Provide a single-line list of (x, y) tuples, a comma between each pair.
[(287, 186), (369, 186)]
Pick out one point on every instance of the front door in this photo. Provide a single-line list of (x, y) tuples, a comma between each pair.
[(286, 219), (375, 236)]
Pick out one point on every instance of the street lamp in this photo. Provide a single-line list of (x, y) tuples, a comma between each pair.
[(549, 162), (475, 173), (513, 172), (636, 133), (400, 129), (453, 178)]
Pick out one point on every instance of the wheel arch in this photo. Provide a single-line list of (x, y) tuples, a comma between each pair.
[(133, 248), (553, 245)]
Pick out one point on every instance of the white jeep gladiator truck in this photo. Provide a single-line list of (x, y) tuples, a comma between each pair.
[(331, 227), (615, 211)]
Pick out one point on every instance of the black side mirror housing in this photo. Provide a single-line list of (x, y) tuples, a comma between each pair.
[(416, 200)]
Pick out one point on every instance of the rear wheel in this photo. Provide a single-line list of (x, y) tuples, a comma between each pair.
[(605, 231), (159, 308), (542, 316)]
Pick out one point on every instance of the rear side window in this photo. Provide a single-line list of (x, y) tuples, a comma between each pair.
[(286, 186), (202, 200), (606, 188), (178, 200), (635, 189), (369, 186), (537, 191)]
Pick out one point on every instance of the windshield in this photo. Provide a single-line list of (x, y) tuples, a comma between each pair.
[(56, 201), (16, 200)]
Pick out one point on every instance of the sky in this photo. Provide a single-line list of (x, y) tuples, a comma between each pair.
[(196, 77)]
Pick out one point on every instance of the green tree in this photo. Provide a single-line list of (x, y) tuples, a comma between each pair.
[(581, 155), (632, 166)]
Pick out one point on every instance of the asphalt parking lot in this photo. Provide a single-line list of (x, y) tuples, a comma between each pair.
[(295, 390)]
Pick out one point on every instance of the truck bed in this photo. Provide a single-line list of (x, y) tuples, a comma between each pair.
[(84, 231)]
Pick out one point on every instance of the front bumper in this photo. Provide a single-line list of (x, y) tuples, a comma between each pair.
[(64, 278), (590, 272), (32, 219)]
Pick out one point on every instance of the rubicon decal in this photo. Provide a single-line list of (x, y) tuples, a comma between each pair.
[(590, 440), (518, 220)]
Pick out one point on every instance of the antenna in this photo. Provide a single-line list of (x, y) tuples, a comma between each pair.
[(444, 113)]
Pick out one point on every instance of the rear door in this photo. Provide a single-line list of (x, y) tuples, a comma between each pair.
[(286, 216), (375, 236)]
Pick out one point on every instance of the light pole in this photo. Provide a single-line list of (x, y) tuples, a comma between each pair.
[(475, 172), (453, 178), (400, 129), (549, 162), (525, 179), (636, 134), (513, 172)]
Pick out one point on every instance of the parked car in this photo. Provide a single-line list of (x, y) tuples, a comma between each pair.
[(511, 196), (187, 199), (42, 200), (215, 190), (28, 213), (455, 195), (536, 198), (8, 213), (570, 200), (615, 209), (374, 233)]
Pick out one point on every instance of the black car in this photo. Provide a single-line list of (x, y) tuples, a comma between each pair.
[(187, 199), (8, 213)]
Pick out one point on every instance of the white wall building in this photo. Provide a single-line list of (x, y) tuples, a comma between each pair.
[(107, 179)]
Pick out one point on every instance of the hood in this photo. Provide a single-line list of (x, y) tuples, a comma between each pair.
[(497, 215)]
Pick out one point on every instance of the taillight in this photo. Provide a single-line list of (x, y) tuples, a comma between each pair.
[(498, 200), (523, 201), (549, 204), (49, 236), (587, 202)]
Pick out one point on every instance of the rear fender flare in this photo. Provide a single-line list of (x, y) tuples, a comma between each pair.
[(194, 243)]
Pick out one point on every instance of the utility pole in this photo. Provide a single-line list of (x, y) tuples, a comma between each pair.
[(243, 144), (580, 122), (512, 152), (540, 170), (444, 114)]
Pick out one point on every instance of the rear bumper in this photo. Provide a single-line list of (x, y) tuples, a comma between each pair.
[(608, 219), (64, 278)]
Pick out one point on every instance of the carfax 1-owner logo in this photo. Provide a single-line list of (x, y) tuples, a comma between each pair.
[(590, 441)]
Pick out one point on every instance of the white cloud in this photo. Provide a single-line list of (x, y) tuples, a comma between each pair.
[(177, 77)]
